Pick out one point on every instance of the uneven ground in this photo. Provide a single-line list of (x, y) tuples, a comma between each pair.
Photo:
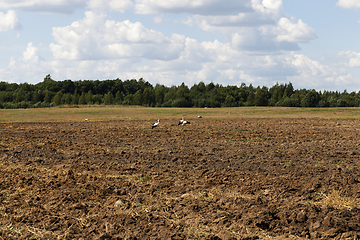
[(213, 179)]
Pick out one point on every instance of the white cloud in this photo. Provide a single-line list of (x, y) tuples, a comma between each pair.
[(312, 74), (157, 20), (348, 3), (201, 7), (197, 61), (268, 7), (44, 6), (30, 68), (260, 41), (264, 29), (30, 54), (294, 32), (9, 21), (354, 58), (113, 5), (96, 37)]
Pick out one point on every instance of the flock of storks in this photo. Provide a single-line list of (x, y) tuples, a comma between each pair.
[(181, 122)]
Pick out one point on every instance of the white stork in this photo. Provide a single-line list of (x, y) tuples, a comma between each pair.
[(155, 124), (185, 122)]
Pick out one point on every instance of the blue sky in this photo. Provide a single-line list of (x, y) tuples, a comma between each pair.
[(313, 44)]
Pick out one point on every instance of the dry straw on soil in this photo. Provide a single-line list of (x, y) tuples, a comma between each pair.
[(337, 199)]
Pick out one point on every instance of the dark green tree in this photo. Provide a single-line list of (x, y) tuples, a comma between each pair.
[(148, 97), (108, 98), (82, 99), (67, 98), (75, 98), (138, 98), (57, 98), (311, 99), (261, 97), (160, 91), (119, 97), (89, 97), (47, 98)]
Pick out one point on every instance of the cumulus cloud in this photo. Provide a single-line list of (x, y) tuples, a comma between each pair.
[(31, 54), (294, 32), (197, 61), (268, 7), (30, 67), (354, 58), (201, 7), (9, 21), (313, 74), (96, 37), (97, 47), (44, 6), (113, 5), (263, 29), (348, 3)]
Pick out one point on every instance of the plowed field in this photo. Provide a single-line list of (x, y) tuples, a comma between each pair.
[(213, 179)]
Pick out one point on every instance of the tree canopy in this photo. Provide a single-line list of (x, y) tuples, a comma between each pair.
[(140, 92)]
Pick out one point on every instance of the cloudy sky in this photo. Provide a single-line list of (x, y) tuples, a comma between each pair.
[(313, 44)]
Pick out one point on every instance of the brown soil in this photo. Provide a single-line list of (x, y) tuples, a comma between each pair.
[(212, 179)]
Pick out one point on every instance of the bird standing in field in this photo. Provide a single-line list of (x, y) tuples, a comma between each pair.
[(185, 122), (155, 124)]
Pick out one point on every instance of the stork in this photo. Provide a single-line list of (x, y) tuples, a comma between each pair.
[(155, 124), (181, 121), (185, 122)]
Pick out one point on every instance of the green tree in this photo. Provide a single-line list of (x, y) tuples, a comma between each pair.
[(260, 97), (98, 98), (170, 96), (75, 98), (128, 99), (250, 101), (57, 98), (160, 91), (108, 98), (311, 99), (47, 98), (82, 99), (36, 97), (119, 97), (148, 97), (20, 95), (89, 97), (66, 98), (289, 90), (138, 98), (230, 101)]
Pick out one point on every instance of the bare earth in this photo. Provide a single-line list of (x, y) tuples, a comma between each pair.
[(213, 179)]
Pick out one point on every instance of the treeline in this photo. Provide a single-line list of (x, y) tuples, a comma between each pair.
[(140, 92)]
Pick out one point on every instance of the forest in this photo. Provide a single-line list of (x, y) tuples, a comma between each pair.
[(49, 93)]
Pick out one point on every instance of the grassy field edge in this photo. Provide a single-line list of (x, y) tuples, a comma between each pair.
[(119, 113)]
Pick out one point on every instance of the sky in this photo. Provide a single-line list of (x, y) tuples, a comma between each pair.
[(312, 44)]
